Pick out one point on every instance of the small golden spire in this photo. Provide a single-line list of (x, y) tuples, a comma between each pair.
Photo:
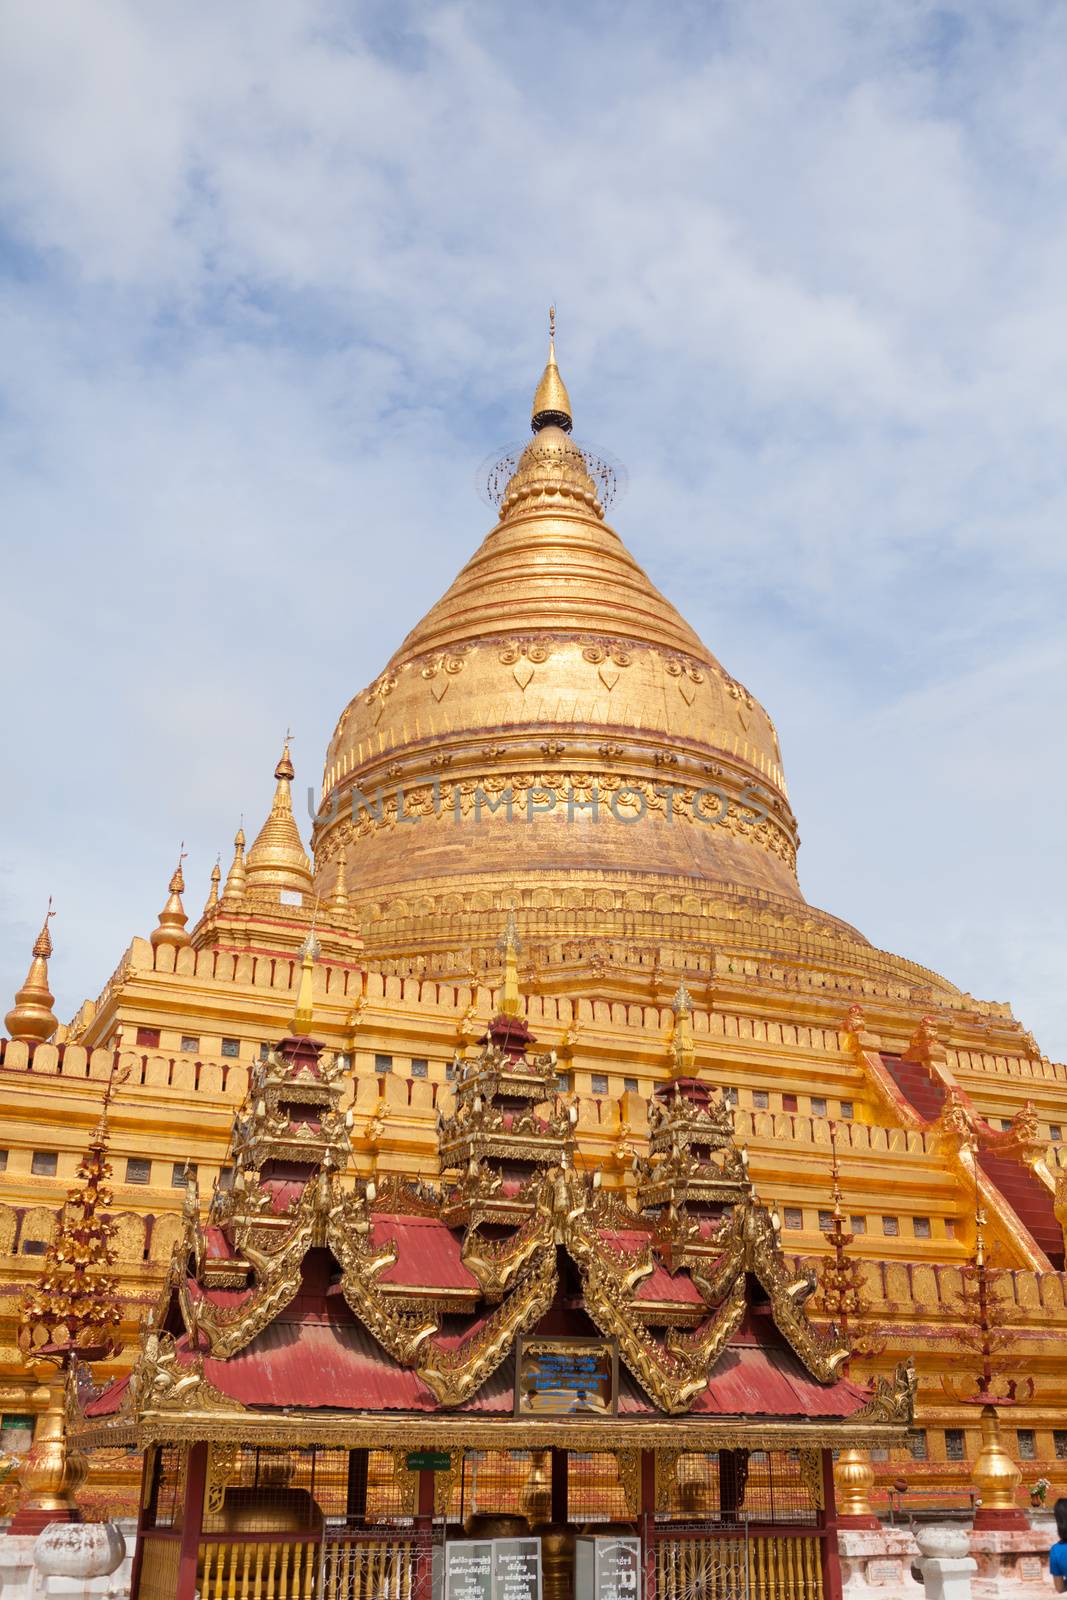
[(337, 904), (683, 1050), (277, 860), (213, 893), (303, 1015), (509, 944), (32, 1019), (234, 891), (551, 403), (172, 919)]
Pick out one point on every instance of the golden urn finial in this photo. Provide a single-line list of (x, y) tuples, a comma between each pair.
[(278, 861), (994, 1474), (304, 1014), (31, 1018), (509, 944), (172, 919), (236, 879), (551, 403)]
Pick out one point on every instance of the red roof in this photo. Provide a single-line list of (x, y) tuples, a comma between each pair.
[(427, 1253), (322, 1359)]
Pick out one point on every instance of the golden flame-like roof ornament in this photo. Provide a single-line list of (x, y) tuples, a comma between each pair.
[(683, 1049), (551, 403), (509, 945), (278, 861), (172, 919), (303, 1016), (213, 893), (337, 904), (31, 1018)]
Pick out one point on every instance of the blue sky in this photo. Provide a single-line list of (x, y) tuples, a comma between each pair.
[(274, 283)]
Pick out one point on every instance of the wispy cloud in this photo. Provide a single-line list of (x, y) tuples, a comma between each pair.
[(275, 284)]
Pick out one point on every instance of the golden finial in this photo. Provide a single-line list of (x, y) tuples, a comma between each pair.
[(42, 945), (32, 1019), (551, 403), (683, 1050), (285, 768), (172, 919), (234, 890), (509, 945)]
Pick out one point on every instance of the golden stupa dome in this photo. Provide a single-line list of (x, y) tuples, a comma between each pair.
[(553, 682)]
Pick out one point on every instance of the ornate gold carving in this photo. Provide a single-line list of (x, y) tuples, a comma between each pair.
[(628, 1467), (221, 1470), (809, 1463), (893, 1399)]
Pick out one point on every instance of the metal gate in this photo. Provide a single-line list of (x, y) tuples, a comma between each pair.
[(739, 1566)]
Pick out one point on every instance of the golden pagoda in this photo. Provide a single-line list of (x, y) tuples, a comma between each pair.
[(554, 752)]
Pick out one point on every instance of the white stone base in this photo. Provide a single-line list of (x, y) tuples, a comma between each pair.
[(20, 1579), (876, 1563)]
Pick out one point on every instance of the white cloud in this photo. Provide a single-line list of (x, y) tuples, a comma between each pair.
[(277, 277)]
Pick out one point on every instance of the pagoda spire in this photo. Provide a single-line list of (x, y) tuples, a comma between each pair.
[(32, 1019), (237, 878), (551, 403), (172, 919), (277, 860)]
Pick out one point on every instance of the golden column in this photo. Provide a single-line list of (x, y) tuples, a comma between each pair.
[(842, 1298), (994, 1474)]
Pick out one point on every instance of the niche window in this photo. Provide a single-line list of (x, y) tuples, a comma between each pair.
[(44, 1163), (600, 1083), (231, 1048), (138, 1170), (148, 1038), (420, 1067)]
